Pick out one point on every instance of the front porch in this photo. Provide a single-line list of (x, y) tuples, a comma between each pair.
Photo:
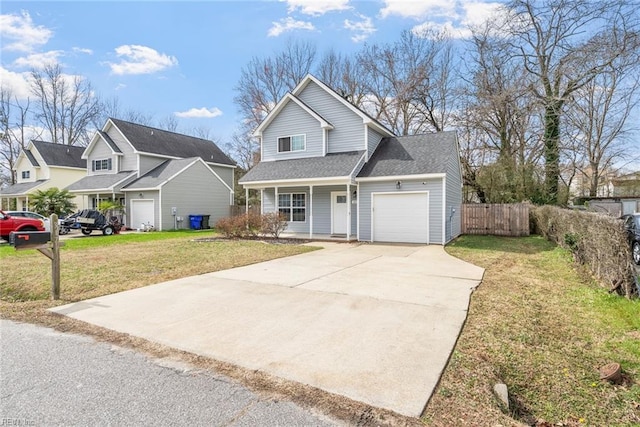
[(315, 212)]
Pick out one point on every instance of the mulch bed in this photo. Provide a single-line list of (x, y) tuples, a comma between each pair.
[(268, 240)]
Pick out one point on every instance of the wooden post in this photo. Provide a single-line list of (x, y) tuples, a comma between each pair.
[(55, 260)]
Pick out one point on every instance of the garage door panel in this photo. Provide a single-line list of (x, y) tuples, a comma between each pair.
[(401, 217), (142, 212)]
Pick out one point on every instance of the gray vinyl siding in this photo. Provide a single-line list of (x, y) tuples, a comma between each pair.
[(226, 174), (146, 195), (433, 186), (292, 120), (321, 208), (128, 159), (454, 199), (101, 151), (147, 163), (194, 192), (373, 140), (348, 128)]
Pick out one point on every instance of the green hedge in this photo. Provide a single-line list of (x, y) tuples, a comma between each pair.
[(596, 241)]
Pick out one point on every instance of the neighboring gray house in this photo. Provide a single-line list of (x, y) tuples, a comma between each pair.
[(160, 177), (39, 166), (332, 170)]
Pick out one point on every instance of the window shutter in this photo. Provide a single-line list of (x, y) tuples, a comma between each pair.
[(109, 163), (93, 165)]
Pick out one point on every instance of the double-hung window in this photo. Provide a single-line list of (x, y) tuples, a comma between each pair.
[(26, 174), (101, 165), (293, 206), (291, 143)]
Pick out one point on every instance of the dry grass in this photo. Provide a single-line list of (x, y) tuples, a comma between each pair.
[(91, 268), (536, 326)]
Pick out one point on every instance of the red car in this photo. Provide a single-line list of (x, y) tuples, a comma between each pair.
[(10, 223)]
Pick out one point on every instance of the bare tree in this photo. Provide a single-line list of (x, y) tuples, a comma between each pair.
[(564, 45), (14, 132), (66, 105), (501, 113), (409, 82), (169, 123), (264, 81), (343, 75), (111, 108), (599, 120)]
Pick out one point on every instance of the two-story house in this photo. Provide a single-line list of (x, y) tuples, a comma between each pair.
[(332, 170), (160, 177), (40, 166)]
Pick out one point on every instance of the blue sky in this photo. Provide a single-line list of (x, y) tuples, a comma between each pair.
[(184, 58)]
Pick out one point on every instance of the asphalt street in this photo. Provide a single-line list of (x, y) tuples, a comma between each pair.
[(53, 378)]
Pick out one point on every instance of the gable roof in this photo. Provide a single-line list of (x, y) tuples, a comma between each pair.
[(166, 171), (145, 139), (110, 142), (29, 155), (22, 188), (412, 155), (324, 124), (333, 165), (63, 155), (366, 118), (104, 182)]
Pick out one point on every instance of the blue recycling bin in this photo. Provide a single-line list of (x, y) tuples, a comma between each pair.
[(195, 221)]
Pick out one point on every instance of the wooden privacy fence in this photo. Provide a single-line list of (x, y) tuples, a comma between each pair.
[(496, 219)]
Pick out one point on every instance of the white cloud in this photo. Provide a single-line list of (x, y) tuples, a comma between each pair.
[(120, 86), (20, 34), (289, 24), (82, 50), (361, 29), (317, 7), (430, 29), (478, 13), (141, 60), (38, 60), (207, 113), (17, 83), (418, 9)]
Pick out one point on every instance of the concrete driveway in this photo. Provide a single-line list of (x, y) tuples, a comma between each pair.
[(374, 323)]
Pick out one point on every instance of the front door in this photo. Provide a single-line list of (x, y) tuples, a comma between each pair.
[(339, 212)]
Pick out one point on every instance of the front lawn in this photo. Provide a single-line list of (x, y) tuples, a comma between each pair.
[(99, 265), (539, 327)]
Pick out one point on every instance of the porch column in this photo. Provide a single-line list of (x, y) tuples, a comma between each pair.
[(262, 201), (26, 206), (348, 211), (246, 201), (311, 212), (275, 202)]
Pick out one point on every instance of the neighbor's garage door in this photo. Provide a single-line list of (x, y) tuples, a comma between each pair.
[(141, 213), (401, 217)]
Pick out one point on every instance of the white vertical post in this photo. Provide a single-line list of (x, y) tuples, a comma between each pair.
[(311, 212), (348, 211), (262, 201), (246, 200), (275, 202)]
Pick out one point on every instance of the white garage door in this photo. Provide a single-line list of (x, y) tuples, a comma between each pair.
[(141, 213), (401, 217)]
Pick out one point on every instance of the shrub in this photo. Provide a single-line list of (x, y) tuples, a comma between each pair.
[(273, 224), (251, 225), (595, 240)]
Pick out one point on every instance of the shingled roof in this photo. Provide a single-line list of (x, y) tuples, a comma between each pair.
[(412, 155), (60, 154), (161, 174), (104, 182), (332, 165), (21, 188), (157, 141)]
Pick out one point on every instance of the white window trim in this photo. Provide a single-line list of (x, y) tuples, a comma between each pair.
[(291, 207), (26, 174), (303, 135), (95, 163)]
